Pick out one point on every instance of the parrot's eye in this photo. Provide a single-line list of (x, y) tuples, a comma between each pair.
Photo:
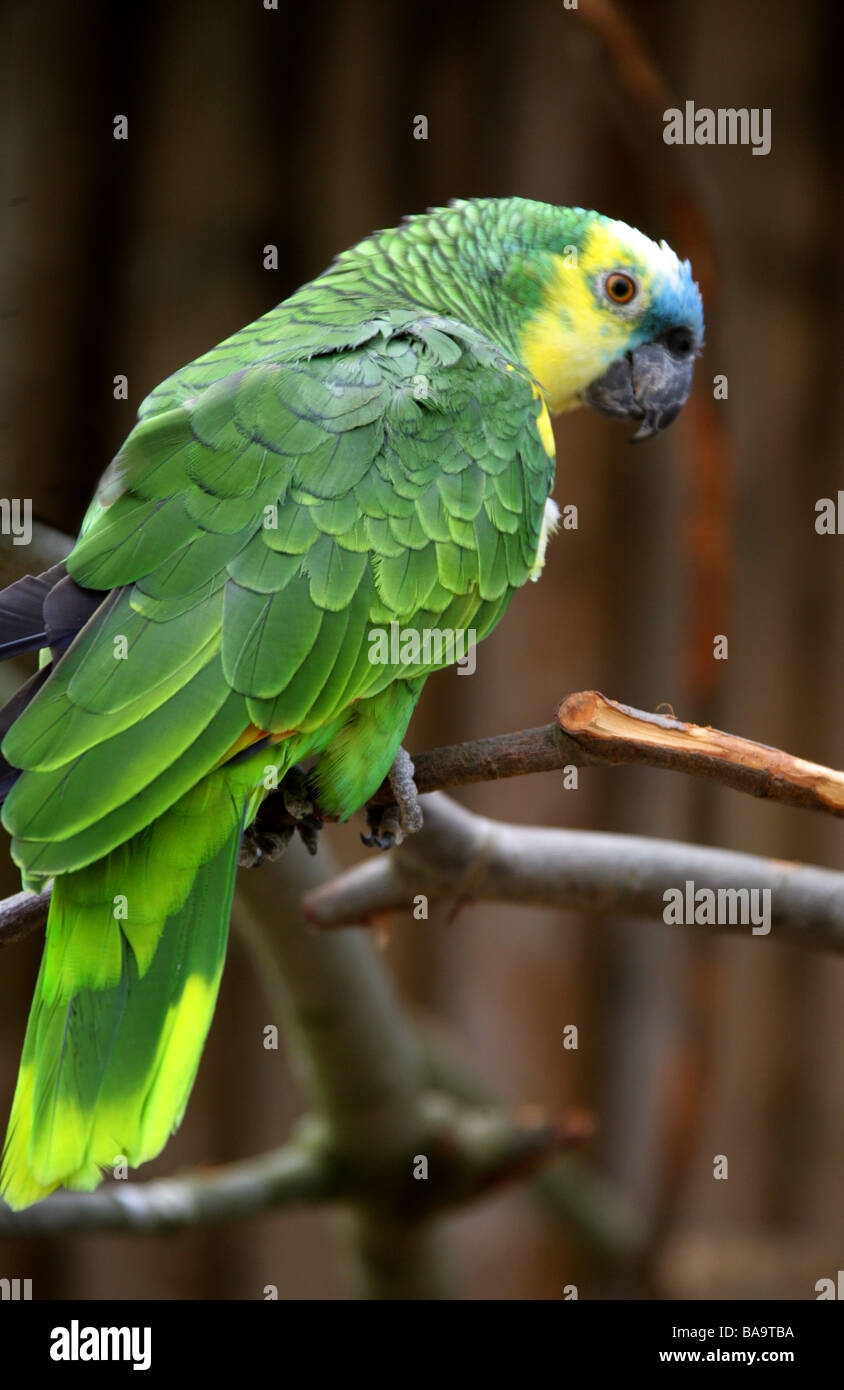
[(621, 288)]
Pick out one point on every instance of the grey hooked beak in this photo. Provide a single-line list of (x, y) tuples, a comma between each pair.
[(650, 384)]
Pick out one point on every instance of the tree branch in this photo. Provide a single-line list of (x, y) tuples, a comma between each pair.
[(470, 1151), (590, 730), (616, 733), (22, 914), (468, 858), (288, 1177)]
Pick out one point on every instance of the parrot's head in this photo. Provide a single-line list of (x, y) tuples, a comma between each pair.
[(616, 323)]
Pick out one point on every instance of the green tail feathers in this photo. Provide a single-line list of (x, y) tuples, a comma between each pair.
[(123, 1001)]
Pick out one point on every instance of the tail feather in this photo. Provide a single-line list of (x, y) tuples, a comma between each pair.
[(117, 1029)]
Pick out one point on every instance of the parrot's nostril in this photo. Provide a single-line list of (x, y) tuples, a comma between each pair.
[(679, 341)]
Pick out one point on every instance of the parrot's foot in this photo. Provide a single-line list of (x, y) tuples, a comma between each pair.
[(259, 844), (388, 825), (289, 809), (296, 796)]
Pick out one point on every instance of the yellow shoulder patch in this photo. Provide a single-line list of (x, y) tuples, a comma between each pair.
[(543, 420), (546, 432)]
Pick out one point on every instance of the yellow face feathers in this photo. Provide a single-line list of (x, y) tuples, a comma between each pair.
[(593, 302)]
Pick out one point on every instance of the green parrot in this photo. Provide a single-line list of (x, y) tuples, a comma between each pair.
[(375, 450)]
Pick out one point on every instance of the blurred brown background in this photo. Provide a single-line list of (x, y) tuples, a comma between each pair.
[(294, 127)]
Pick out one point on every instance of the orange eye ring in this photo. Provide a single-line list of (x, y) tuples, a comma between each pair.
[(620, 287)]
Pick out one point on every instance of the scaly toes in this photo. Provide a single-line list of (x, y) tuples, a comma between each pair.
[(388, 825), (404, 790)]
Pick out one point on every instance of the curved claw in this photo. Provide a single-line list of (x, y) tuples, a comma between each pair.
[(384, 828), (309, 827)]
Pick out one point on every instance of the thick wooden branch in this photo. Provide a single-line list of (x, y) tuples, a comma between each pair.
[(616, 733), (458, 856)]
